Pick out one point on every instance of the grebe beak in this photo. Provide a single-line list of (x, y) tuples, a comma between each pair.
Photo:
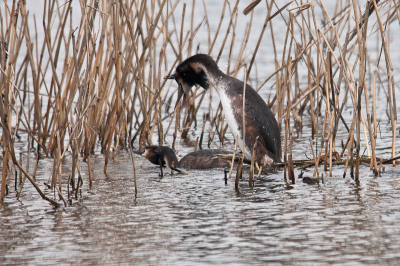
[(138, 152), (181, 93)]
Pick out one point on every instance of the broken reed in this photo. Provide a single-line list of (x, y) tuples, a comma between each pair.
[(107, 81)]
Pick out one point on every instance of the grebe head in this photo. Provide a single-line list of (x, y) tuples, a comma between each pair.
[(193, 71), (150, 153), (159, 155)]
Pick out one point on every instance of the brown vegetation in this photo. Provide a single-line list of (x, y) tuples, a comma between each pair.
[(107, 83)]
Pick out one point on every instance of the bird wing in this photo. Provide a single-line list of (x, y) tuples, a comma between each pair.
[(260, 122)]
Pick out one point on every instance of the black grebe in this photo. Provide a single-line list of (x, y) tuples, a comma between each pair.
[(202, 159), (202, 70)]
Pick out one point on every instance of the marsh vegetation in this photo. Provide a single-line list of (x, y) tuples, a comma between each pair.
[(69, 88)]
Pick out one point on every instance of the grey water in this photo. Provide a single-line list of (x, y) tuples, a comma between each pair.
[(197, 219)]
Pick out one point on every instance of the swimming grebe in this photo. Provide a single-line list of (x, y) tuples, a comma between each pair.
[(201, 159), (202, 70)]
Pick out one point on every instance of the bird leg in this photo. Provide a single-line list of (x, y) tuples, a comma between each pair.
[(161, 174)]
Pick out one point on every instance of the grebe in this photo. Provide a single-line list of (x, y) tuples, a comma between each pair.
[(202, 70), (202, 159)]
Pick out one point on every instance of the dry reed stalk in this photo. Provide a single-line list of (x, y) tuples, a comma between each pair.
[(391, 89), (325, 96), (313, 153), (202, 132), (221, 134), (196, 144), (5, 100), (190, 44), (8, 147), (244, 114), (192, 118), (35, 168), (212, 124), (4, 175), (243, 46), (109, 146), (20, 162), (234, 23), (331, 87), (61, 196), (233, 15), (181, 35), (341, 76), (373, 165), (177, 111), (291, 169), (233, 158), (27, 167), (74, 166), (288, 84), (80, 181), (311, 98), (375, 134), (341, 68), (239, 172), (90, 171), (253, 158), (288, 127), (211, 46), (280, 94), (155, 122), (22, 181), (16, 183), (260, 38), (260, 169), (285, 77), (59, 161), (133, 165), (361, 53)]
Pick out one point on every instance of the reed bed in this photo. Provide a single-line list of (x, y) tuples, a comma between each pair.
[(101, 85)]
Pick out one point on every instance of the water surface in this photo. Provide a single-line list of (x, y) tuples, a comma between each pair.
[(198, 219)]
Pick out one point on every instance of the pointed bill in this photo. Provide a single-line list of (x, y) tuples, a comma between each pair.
[(138, 152), (181, 93)]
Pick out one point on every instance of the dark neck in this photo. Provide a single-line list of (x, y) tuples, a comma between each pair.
[(170, 157)]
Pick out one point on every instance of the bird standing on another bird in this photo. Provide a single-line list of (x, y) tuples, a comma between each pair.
[(261, 125)]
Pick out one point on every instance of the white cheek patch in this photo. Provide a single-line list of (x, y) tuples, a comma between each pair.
[(147, 154), (186, 88)]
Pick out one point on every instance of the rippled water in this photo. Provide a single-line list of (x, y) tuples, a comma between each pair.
[(198, 219)]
